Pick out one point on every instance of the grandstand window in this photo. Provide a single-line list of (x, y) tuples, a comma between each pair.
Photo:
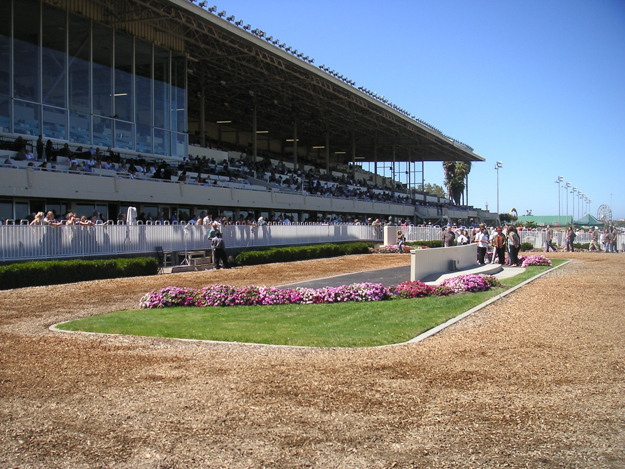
[(180, 145), (102, 71), (5, 114), (6, 210), (79, 76), (124, 95), (102, 132), (53, 57), (161, 142), (80, 128), (27, 118), (143, 82), (144, 138), (179, 95), (124, 135), (26, 70), (55, 122), (161, 89), (5, 52)]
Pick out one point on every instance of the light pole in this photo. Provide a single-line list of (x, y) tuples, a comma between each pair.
[(566, 193), (498, 165), (580, 197), (558, 181), (573, 200)]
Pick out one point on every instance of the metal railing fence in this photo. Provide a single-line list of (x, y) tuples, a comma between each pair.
[(24, 242)]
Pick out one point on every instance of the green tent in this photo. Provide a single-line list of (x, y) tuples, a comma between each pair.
[(588, 220)]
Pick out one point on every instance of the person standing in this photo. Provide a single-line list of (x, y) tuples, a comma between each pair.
[(570, 239), (448, 238), (499, 243), (481, 238), (219, 252), (40, 147), (401, 240), (514, 243), (549, 238), (593, 241)]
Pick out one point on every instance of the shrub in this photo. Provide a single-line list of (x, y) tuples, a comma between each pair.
[(527, 246), (299, 253), (39, 273)]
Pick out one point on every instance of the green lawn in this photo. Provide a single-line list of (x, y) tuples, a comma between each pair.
[(334, 325)]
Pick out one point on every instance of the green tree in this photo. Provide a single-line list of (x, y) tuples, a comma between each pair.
[(456, 173)]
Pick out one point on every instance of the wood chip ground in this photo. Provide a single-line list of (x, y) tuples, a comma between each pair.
[(534, 380)]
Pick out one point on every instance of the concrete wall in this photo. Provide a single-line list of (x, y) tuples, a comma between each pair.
[(426, 262)]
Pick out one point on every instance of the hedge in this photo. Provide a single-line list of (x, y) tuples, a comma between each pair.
[(38, 273), (301, 253)]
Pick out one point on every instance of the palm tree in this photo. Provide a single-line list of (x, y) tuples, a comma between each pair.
[(456, 173)]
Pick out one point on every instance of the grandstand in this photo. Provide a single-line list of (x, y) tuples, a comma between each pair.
[(175, 107)]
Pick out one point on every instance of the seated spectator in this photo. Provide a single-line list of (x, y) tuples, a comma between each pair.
[(49, 219), (38, 220)]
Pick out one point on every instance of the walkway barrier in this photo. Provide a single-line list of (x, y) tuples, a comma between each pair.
[(424, 262)]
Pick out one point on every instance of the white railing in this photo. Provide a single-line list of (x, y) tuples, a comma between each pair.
[(23, 242)]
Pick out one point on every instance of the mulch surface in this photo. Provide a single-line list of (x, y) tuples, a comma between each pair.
[(535, 380)]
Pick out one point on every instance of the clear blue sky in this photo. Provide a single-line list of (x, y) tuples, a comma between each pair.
[(537, 85)]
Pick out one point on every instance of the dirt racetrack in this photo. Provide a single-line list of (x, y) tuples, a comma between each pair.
[(534, 380)]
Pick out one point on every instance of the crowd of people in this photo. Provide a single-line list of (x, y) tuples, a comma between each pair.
[(266, 170), (505, 241)]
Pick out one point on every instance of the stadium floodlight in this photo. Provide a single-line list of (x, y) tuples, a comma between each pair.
[(222, 13), (202, 4), (230, 18), (247, 27), (239, 23), (212, 9)]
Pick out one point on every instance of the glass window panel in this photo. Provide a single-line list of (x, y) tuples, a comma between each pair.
[(123, 77), (102, 132), (124, 135), (21, 210), (161, 142), (143, 83), (5, 48), (161, 88), (53, 56), (79, 128), (79, 63), (26, 52), (150, 212), (5, 114), (58, 208), (54, 123), (27, 118), (179, 97), (6, 210), (102, 71), (144, 138), (180, 146)]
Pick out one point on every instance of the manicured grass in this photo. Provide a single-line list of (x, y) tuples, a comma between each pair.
[(334, 325)]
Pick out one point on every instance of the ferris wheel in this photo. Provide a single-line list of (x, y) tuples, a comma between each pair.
[(604, 213)]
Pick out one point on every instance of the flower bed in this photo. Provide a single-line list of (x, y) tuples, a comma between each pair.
[(226, 295), (394, 249), (537, 260)]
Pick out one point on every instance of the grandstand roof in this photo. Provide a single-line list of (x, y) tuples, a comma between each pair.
[(239, 67)]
